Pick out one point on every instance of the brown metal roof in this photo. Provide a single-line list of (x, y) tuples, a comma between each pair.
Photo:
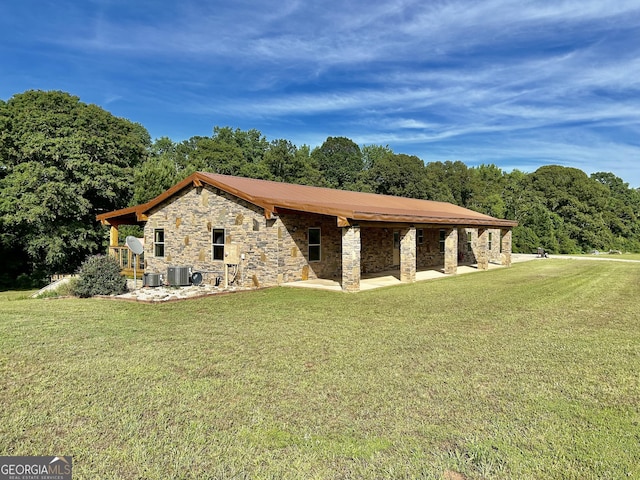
[(345, 205)]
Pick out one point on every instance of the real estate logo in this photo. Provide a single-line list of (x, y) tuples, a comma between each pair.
[(35, 468)]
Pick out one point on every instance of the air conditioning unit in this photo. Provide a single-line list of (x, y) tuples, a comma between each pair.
[(151, 280), (179, 276)]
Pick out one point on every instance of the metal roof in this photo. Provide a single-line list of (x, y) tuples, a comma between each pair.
[(349, 207)]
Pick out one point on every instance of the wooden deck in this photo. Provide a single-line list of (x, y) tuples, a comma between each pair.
[(124, 256)]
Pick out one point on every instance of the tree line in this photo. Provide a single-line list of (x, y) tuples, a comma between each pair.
[(63, 161)]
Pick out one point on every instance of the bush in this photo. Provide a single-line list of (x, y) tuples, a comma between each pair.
[(100, 275)]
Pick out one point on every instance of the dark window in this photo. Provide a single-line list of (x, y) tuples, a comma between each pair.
[(443, 236), (217, 240), (420, 232), (314, 244), (158, 242)]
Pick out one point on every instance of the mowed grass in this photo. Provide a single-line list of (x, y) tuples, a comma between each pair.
[(530, 372), (609, 256)]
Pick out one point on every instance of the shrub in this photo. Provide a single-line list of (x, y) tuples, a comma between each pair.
[(100, 275)]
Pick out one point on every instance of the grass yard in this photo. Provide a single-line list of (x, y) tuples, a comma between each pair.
[(610, 256), (531, 372)]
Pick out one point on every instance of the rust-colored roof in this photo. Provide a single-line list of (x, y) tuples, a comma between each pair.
[(347, 206)]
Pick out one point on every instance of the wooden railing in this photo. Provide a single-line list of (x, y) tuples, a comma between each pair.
[(124, 256)]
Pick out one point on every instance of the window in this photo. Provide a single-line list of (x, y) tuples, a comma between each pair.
[(490, 241), (314, 244), (217, 241), (443, 236), (158, 242), (420, 233), (469, 244)]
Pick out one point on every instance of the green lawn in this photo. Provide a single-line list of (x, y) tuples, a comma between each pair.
[(531, 372), (610, 256)]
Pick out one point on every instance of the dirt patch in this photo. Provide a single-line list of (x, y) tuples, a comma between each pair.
[(453, 475)]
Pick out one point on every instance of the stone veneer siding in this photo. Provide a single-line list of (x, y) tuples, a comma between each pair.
[(377, 247), (275, 251), (351, 268)]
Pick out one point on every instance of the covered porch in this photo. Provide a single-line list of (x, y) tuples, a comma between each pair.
[(372, 281), (418, 252)]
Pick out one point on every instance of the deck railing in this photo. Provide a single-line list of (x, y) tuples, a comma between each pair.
[(124, 256)]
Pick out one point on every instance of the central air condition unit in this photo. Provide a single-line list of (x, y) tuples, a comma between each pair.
[(151, 280), (178, 276)]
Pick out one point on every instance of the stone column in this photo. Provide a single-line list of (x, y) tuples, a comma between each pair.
[(451, 251), (483, 249), (505, 247), (351, 259), (408, 255)]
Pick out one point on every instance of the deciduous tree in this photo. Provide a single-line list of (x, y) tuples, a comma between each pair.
[(63, 161)]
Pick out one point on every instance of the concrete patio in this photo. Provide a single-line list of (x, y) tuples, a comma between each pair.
[(389, 278)]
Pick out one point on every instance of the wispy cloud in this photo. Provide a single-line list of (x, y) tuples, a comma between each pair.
[(523, 81)]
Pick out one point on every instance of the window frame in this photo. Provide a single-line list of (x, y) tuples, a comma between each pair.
[(469, 241), (217, 249), (420, 235), (443, 239), (316, 248), (489, 240), (157, 244)]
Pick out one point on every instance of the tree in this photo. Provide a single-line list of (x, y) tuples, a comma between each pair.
[(340, 162), (622, 214), (286, 163), (488, 187), (372, 153), (400, 175), (578, 200), (68, 161)]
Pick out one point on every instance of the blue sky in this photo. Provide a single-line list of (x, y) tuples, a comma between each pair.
[(519, 84)]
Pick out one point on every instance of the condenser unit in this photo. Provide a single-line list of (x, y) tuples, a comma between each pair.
[(178, 276), (152, 280)]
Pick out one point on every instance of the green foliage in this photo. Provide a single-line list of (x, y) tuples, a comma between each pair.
[(340, 161), (153, 177), (558, 208), (288, 163), (125, 231), (100, 275), (488, 188), (399, 175), (63, 162)]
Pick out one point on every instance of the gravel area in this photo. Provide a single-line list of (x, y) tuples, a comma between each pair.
[(166, 294)]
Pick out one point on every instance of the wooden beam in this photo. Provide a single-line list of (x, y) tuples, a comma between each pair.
[(343, 222), (113, 236)]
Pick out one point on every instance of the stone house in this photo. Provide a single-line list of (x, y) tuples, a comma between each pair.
[(264, 233)]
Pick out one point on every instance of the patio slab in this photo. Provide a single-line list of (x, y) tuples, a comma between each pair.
[(383, 279)]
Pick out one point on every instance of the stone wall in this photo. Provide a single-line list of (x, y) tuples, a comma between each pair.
[(274, 251), (469, 252), (377, 248), (296, 243), (428, 252), (351, 249)]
